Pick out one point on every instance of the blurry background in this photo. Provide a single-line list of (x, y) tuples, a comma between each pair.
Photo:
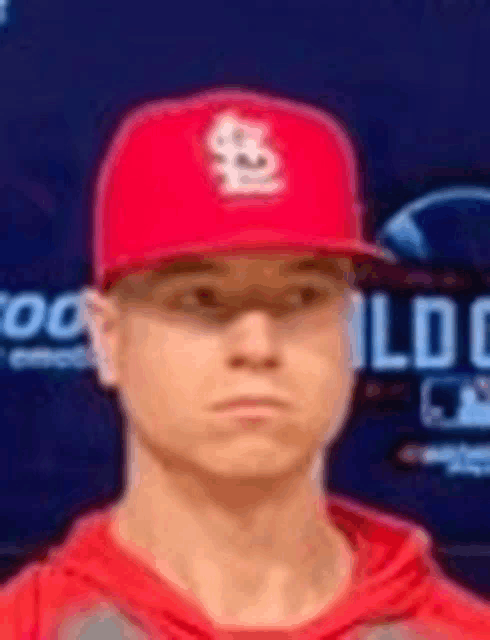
[(409, 79)]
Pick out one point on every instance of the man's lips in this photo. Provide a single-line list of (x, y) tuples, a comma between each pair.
[(251, 402)]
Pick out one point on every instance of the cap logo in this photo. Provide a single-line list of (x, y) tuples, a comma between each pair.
[(242, 159)]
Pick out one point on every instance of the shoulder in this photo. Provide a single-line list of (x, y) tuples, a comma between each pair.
[(397, 558), (18, 603), (378, 534), (455, 607), (46, 586)]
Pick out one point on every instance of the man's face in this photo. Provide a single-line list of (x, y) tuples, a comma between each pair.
[(252, 325)]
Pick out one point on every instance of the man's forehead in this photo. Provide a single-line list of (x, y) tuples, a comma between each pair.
[(226, 264), (260, 256)]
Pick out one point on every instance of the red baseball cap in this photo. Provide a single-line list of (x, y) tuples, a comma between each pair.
[(226, 169)]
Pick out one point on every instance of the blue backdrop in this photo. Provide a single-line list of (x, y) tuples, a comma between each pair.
[(410, 84)]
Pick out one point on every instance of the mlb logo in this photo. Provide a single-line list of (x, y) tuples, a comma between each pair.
[(458, 401)]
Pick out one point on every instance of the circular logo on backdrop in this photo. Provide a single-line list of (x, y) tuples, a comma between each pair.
[(445, 228), (449, 334)]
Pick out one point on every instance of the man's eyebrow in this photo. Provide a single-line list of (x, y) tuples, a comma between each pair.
[(319, 265), (192, 266)]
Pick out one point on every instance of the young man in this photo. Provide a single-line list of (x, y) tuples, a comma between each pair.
[(226, 228)]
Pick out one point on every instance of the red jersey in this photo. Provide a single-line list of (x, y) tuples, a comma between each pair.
[(89, 588)]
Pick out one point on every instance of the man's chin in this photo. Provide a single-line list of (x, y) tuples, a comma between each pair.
[(253, 468), (250, 459)]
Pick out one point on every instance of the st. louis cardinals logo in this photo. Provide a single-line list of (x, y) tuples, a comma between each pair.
[(242, 158)]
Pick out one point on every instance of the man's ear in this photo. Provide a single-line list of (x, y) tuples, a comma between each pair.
[(101, 318)]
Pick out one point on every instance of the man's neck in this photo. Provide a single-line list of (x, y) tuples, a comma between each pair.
[(258, 556)]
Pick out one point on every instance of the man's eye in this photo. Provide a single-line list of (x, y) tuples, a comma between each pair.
[(200, 297), (305, 296), (204, 298)]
